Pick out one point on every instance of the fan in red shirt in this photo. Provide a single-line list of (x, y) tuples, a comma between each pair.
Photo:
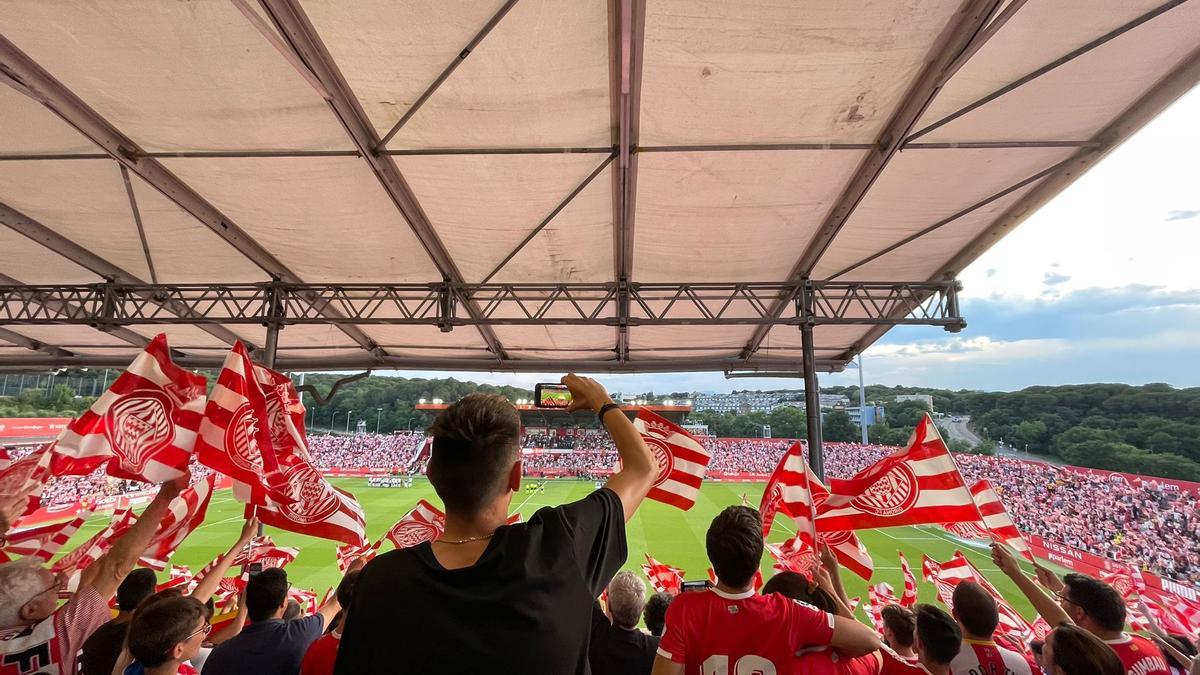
[(322, 654), (730, 629), (1090, 604), (899, 628)]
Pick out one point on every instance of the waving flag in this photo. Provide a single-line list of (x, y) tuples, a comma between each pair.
[(996, 520), (681, 460), (879, 596), (789, 491), (915, 486), (663, 578), (237, 438), (180, 577), (90, 551), (794, 556), (184, 514), (966, 530), (347, 554), (22, 480), (423, 523), (910, 583), (316, 508), (43, 542), (285, 412), (850, 552), (946, 576), (144, 427)]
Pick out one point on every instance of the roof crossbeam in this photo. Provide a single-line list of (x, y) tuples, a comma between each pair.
[(29, 78), (1062, 60), (963, 34), (298, 32), (58, 306), (33, 345), (446, 72)]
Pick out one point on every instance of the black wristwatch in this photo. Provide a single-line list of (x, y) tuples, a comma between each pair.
[(604, 410)]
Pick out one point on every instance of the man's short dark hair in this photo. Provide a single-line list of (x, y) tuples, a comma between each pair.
[(940, 635), (976, 609), (345, 589), (159, 627), (136, 587), (655, 613), (902, 622), (265, 592), (1101, 602), (735, 545), (475, 442)]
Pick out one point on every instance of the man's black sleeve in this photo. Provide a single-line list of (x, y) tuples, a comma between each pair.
[(596, 526)]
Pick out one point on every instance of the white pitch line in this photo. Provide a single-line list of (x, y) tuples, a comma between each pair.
[(892, 536), (222, 522)]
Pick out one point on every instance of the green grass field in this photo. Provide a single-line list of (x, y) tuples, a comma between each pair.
[(672, 536)]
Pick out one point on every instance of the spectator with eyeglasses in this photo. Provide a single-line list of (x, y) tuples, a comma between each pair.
[(165, 635)]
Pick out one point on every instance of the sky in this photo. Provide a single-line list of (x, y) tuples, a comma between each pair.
[(1100, 285)]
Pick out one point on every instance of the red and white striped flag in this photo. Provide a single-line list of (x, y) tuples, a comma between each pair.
[(947, 575), (996, 520), (915, 486), (285, 412), (316, 508), (423, 523), (663, 578), (794, 556), (789, 491), (236, 435), (144, 427), (43, 542), (184, 514), (347, 554), (879, 596), (90, 551), (681, 460), (306, 598), (910, 583), (22, 481), (966, 530), (180, 577), (850, 552)]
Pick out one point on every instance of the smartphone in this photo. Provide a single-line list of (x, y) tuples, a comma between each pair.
[(255, 567), (702, 585), (551, 395)]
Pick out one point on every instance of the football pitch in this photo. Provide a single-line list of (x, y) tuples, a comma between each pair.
[(671, 536)]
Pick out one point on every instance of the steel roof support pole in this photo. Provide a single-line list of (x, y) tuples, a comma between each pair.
[(812, 392), (627, 20)]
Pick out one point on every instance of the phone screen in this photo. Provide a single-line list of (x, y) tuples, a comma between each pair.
[(255, 567), (549, 395), (688, 586)]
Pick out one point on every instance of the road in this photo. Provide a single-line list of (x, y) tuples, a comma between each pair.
[(959, 430)]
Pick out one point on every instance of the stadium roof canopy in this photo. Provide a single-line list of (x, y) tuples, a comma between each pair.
[(540, 185)]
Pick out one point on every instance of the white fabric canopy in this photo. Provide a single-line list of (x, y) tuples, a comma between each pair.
[(765, 141)]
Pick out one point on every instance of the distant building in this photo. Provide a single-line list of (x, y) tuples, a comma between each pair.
[(742, 404), (923, 398), (874, 414)]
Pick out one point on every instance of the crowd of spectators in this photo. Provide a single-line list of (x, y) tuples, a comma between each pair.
[(361, 451), (1150, 523)]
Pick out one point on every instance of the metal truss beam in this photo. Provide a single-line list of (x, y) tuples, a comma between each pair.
[(302, 38), (627, 31), (467, 365), (36, 231), (62, 306), (29, 78), (965, 33), (439, 304)]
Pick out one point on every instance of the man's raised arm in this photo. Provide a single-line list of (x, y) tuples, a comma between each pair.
[(211, 581), (638, 467), (110, 569), (1044, 604)]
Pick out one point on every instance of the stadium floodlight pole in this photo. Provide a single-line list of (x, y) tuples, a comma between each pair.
[(378, 414), (348, 414), (862, 402)]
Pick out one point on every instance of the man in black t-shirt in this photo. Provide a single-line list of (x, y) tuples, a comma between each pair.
[(618, 646), (486, 596), (101, 651)]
